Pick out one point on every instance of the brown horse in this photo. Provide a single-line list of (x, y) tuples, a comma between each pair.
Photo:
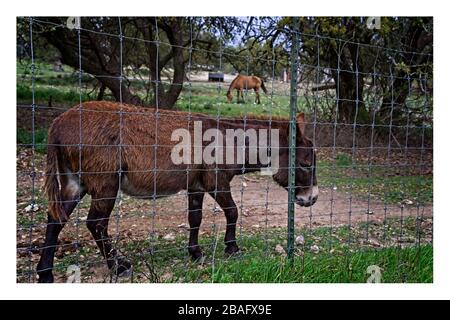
[(118, 150), (246, 82)]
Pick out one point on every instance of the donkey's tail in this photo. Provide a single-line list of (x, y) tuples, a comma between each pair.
[(263, 86), (52, 184)]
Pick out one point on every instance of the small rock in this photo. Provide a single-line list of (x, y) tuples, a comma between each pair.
[(32, 207), (299, 253), (169, 237), (374, 242), (244, 184), (182, 225), (166, 276), (279, 249), (300, 240), (315, 249), (256, 226)]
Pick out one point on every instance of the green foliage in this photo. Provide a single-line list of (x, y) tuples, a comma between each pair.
[(25, 137), (343, 159)]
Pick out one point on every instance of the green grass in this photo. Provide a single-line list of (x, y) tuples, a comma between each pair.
[(61, 95), (343, 257), (343, 159), (331, 268), (62, 87), (42, 68), (25, 137), (208, 99), (363, 180)]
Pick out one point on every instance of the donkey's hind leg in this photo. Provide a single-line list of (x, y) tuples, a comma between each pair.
[(54, 227), (97, 222)]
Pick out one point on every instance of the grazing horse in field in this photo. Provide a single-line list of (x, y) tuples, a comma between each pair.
[(100, 146), (246, 82)]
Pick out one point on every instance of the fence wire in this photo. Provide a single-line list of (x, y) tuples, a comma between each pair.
[(374, 172)]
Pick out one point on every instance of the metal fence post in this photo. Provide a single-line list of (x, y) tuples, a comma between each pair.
[(292, 138)]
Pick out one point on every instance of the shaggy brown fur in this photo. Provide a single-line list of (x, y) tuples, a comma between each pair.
[(241, 83), (125, 147)]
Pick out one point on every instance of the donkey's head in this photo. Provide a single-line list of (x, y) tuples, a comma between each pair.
[(306, 189)]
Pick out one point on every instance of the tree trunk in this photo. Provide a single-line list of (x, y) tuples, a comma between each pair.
[(162, 97), (350, 97), (394, 100), (349, 86), (120, 93), (101, 91)]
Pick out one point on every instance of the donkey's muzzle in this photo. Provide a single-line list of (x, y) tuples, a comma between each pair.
[(309, 198), (307, 203)]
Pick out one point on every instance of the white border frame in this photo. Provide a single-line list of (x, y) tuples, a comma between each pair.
[(10, 290)]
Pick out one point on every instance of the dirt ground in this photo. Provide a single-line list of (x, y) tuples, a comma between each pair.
[(262, 204)]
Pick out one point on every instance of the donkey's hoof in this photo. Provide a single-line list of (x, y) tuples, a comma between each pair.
[(232, 249), (196, 254), (45, 277)]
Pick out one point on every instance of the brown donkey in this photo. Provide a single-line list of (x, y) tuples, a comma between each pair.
[(126, 147), (246, 82)]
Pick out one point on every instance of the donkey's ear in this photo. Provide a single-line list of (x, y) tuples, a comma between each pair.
[(301, 122)]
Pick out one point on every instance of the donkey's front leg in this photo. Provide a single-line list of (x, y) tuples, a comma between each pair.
[(226, 202), (195, 219)]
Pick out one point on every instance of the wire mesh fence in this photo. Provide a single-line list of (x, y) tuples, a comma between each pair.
[(353, 120)]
